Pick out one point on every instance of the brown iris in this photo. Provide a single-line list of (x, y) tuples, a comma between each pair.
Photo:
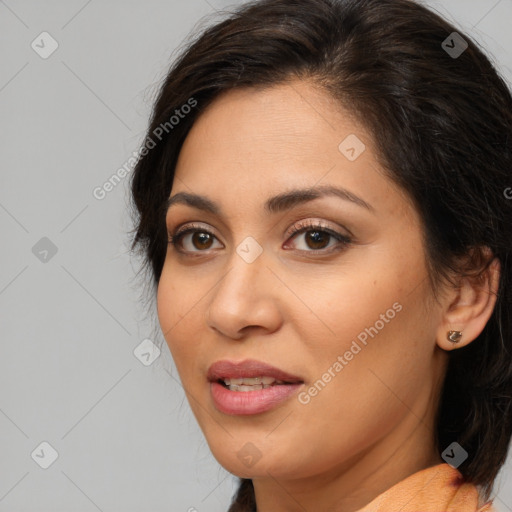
[(204, 240), (317, 237)]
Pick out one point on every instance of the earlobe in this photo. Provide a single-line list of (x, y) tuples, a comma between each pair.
[(469, 310)]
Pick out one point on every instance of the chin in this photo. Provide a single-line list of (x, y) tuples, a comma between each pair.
[(247, 459)]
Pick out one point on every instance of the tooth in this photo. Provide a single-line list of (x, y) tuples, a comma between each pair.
[(268, 380), (250, 388), (244, 388), (251, 381)]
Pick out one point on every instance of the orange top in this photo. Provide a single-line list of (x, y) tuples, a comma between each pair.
[(439, 488)]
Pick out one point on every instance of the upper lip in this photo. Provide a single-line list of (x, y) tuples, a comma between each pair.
[(246, 369)]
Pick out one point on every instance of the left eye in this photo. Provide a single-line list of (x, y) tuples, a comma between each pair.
[(317, 239), (318, 236)]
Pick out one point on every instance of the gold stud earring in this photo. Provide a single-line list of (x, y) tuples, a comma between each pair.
[(454, 336)]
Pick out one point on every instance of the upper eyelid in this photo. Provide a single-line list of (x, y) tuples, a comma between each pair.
[(186, 225), (297, 225)]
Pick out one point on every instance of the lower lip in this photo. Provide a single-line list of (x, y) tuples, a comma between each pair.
[(250, 402)]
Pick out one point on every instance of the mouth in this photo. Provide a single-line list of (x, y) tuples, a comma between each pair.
[(249, 373), (249, 386)]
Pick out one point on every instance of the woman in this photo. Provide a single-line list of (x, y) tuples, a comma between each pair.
[(323, 204)]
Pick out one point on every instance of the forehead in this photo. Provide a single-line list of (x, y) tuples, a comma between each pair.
[(261, 141), (291, 117)]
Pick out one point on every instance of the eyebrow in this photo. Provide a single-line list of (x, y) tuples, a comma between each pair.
[(276, 204)]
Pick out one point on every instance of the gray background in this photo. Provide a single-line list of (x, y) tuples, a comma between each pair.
[(125, 437)]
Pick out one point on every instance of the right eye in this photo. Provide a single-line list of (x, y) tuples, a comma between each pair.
[(200, 239)]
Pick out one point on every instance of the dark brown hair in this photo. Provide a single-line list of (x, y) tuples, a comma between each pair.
[(442, 126)]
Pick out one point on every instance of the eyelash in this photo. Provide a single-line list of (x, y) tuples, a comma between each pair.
[(298, 228)]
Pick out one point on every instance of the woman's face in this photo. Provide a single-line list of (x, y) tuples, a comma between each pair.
[(340, 306)]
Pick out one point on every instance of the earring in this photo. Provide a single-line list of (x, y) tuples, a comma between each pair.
[(454, 336)]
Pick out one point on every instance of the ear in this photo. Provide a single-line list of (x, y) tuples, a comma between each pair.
[(468, 307)]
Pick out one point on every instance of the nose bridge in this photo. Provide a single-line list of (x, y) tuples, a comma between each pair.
[(245, 271), (243, 296)]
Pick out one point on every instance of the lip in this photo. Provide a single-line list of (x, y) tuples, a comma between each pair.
[(248, 368), (250, 402)]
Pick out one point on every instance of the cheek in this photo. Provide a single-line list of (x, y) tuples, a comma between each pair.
[(373, 318), (377, 385), (343, 303), (381, 353)]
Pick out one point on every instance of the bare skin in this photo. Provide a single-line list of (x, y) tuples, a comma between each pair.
[(299, 306)]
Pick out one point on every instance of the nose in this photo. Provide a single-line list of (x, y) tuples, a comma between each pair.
[(245, 300)]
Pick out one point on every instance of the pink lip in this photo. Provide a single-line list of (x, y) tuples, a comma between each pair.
[(249, 402), (248, 368)]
